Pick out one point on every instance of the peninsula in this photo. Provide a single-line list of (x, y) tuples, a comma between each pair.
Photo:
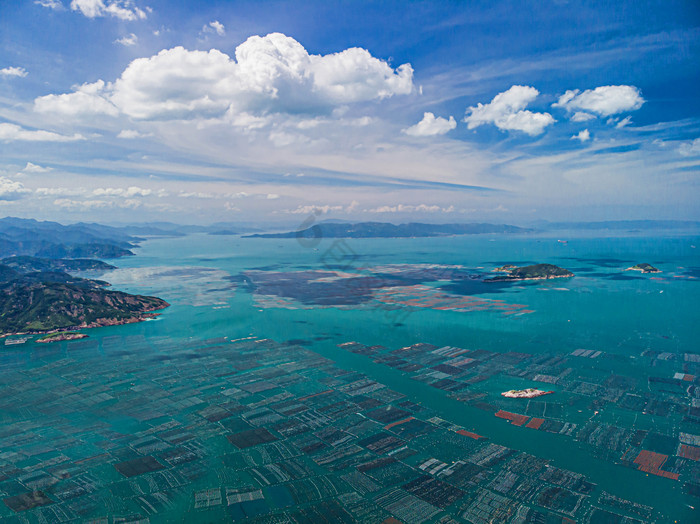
[(43, 302)]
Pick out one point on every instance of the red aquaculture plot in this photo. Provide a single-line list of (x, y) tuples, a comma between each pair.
[(469, 434), (651, 462), (514, 418), (398, 423), (535, 423)]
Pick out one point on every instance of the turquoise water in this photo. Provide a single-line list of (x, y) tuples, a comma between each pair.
[(602, 308), (586, 311)]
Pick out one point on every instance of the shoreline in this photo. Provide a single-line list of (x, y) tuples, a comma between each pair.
[(525, 393), (516, 279), (61, 337), (96, 324)]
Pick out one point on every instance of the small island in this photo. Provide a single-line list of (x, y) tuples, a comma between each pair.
[(534, 272), (60, 337), (525, 393), (644, 268)]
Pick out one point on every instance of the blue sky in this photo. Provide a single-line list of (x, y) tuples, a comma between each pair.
[(137, 110)]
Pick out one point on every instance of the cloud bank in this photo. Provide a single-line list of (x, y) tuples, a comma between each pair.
[(269, 75), (11, 190)]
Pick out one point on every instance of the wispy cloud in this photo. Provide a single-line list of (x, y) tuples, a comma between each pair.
[(51, 4), (12, 132), (214, 27), (129, 40)]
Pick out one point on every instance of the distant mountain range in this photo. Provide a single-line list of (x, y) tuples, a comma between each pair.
[(386, 230), (171, 229), (19, 236)]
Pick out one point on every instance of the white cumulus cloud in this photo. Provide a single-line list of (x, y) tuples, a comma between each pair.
[(431, 125), (214, 27), (86, 100), (13, 71), (507, 112), (603, 100), (12, 132), (11, 189), (583, 136), (128, 40), (270, 74), (122, 9)]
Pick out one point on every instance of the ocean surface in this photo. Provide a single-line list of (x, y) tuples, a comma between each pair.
[(53, 427)]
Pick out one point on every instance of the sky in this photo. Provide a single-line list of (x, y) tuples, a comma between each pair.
[(131, 111)]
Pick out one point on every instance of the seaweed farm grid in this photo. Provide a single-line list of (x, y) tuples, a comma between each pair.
[(661, 450), (255, 430)]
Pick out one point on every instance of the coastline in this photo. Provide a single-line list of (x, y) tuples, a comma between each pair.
[(60, 337), (102, 322), (517, 279)]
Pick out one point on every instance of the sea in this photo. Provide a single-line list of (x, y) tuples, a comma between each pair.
[(71, 412)]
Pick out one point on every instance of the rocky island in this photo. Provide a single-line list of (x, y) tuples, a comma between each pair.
[(534, 272), (525, 393), (644, 268), (61, 336)]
